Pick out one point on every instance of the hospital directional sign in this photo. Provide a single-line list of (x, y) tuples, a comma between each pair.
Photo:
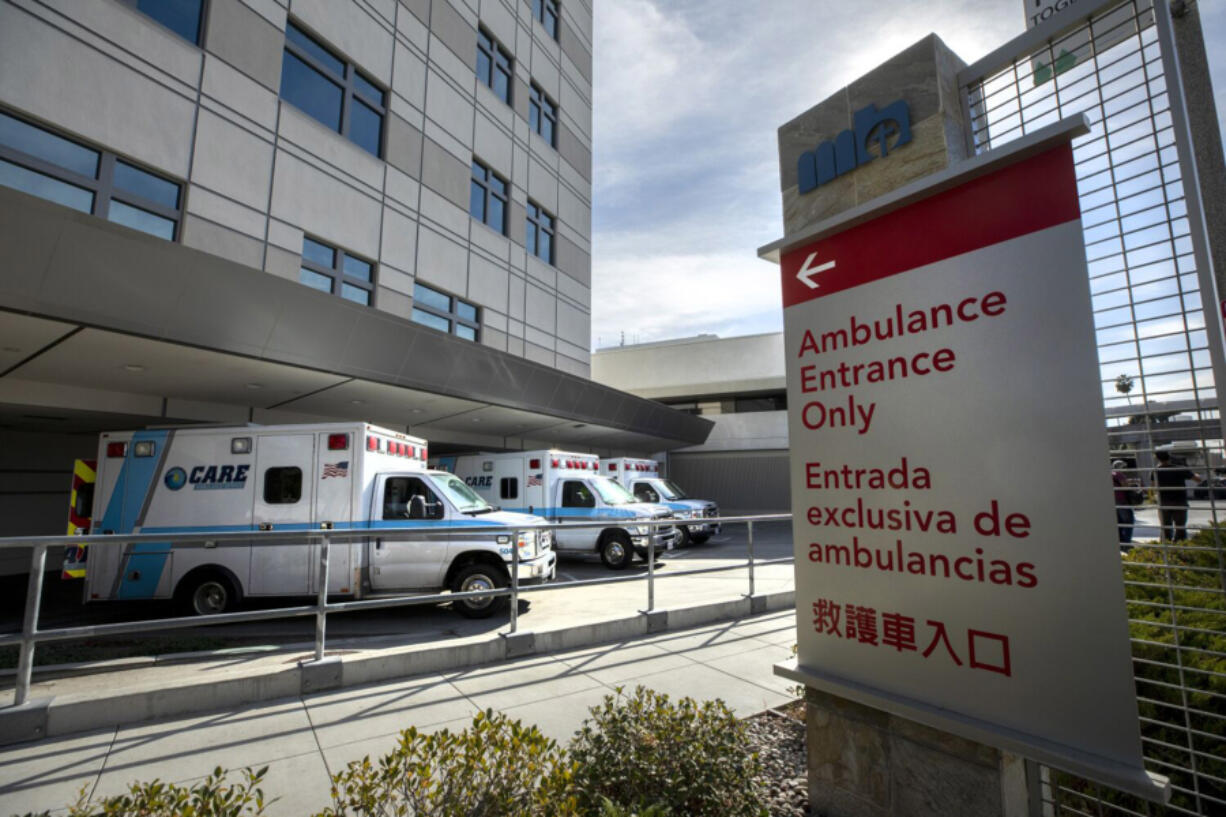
[(957, 559)]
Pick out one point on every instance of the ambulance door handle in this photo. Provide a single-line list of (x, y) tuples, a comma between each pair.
[(265, 526), (378, 544)]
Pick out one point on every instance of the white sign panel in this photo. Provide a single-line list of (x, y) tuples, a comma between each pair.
[(954, 524)]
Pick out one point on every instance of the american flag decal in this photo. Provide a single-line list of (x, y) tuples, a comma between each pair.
[(534, 481), (336, 469)]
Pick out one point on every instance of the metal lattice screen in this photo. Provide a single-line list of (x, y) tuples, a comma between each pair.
[(1157, 370)]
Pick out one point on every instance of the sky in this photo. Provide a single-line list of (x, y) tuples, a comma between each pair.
[(688, 95)]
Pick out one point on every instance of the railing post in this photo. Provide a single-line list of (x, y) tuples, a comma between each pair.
[(751, 583), (515, 581), (651, 568), (321, 598), (34, 598)]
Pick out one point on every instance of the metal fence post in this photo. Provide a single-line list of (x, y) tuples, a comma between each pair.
[(515, 581), (321, 598), (34, 597), (651, 568), (751, 582)]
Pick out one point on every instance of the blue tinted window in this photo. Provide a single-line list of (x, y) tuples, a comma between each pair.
[(502, 83), (146, 185), (307, 43), (545, 247), (321, 254), (309, 91), (494, 66), (534, 116), (496, 215), (356, 294), (429, 297), (180, 16), (466, 311), (357, 268), (483, 67), (530, 237), (476, 201), (367, 88), (365, 127), (142, 220), (466, 332), (315, 280), (45, 187), (47, 146), (431, 320)]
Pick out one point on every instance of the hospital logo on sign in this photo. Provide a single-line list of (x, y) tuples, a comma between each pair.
[(175, 478)]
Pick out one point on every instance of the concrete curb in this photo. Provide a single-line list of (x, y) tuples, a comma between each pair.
[(52, 718)]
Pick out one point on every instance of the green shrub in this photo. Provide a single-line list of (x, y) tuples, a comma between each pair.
[(642, 750), (209, 798), (610, 809), (496, 768)]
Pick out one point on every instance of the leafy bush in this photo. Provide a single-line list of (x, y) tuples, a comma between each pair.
[(496, 768), (209, 798), (642, 750)]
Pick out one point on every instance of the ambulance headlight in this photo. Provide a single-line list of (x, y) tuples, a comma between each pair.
[(685, 514), (642, 530), (527, 544)]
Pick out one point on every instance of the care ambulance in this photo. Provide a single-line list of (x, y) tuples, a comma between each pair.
[(642, 478), (568, 487), (341, 476)]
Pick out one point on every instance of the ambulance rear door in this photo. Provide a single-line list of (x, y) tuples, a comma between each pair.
[(285, 483)]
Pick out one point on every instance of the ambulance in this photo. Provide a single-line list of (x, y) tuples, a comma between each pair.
[(567, 487), (642, 478), (339, 476)]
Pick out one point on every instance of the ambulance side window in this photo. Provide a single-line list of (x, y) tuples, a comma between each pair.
[(576, 495), (508, 488), (398, 495), (645, 493), (282, 486)]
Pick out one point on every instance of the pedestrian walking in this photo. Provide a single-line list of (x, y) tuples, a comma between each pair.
[(1125, 516), (1171, 481)]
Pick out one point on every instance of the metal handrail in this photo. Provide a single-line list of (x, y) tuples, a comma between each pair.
[(30, 635)]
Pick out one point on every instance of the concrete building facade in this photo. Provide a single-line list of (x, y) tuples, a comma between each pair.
[(266, 211)]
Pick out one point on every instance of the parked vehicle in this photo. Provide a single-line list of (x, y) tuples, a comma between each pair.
[(342, 476), (568, 487), (642, 478)]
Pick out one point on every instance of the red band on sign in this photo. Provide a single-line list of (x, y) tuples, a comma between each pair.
[(1031, 195)]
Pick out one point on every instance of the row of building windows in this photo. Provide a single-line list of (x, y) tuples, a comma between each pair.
[(494, 70), (487, 203)]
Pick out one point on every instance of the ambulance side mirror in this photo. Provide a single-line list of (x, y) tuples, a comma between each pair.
[(417, 507)]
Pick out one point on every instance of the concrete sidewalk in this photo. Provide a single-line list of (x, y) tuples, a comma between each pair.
[(305, 739)]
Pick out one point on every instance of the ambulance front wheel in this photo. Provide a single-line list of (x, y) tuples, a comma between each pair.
[(686, 538), (616, 551), (472, 579), (208, 592)]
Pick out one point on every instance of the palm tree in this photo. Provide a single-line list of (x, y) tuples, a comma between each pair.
[(1123, 384)]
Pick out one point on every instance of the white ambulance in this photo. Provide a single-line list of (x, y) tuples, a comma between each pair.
[(344, 476), (568, 487), (642, 478)]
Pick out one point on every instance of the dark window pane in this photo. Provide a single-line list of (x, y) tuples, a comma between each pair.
[(479, 171), (466, 311), (48, 147), (303, 40), (466, 332), (142, 220), (498, 186), (320, 254), (545, 250), (484, 41), (431, 320), (146, 185), (502, 84), (368, 89), (357, 268), (429, 297), (355, 294), (551, 23), (538, 9), (308, 90), (45, 187), (546, 220), (476, 201), (533, 210), (483, 67), (282, 486), (495, 216), (530, 237), (180, 16), (314, 280), (534, 115), (365, 126), (547, 130)]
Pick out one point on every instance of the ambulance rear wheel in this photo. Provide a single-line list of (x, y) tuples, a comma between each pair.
[(616, 552), (472, 579), (205, 594)]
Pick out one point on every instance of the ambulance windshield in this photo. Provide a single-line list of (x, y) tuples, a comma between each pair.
[(460, 494), (610, 492), (671, 490)]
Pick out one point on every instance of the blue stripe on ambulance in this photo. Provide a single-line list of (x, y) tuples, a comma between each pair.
[(147, 560), (586, 513)]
